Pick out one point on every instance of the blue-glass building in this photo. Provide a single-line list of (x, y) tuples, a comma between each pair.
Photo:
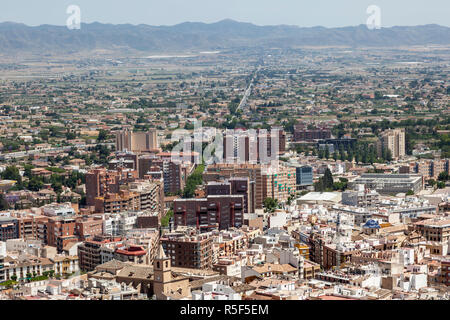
[(304, 175)]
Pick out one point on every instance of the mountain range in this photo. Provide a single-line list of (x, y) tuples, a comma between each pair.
[(225, 34)]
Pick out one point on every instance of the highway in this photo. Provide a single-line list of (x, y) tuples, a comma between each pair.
[(248, 92)]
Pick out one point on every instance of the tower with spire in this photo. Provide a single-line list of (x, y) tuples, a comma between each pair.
[(162, 268), (166, 284)]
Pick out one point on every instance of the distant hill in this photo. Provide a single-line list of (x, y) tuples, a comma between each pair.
[(226, 34)]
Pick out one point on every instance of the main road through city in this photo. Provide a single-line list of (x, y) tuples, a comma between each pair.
[(248, 92)]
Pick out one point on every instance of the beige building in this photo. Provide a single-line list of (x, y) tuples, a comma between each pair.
[(393, 140), (137, 141), (279, 182), (430, 169), (166, 285)]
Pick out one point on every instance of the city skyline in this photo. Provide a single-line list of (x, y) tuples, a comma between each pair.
[(251, 156)]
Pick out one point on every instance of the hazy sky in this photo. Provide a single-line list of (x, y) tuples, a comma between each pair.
[(305, 13)]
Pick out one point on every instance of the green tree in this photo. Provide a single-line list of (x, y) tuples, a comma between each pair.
[(102, 135), (35, 184), (27, 170), (335, 155), (3, 203), (350, 156), (193, 181), (388, 155), (270, 204), (166, 219), (12, 173), (70, 135), (328, 179), (325, 182), (443, 176), (321, 154), (327, 152)]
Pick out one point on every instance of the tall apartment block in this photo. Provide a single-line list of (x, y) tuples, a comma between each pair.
[(394, 140), (279, 182), (245, 146), (124, 160), (233, 186), (138, 195), (275, 181), (222, 211), (137, 141), (303, 133), (188, 251), (99, 182), (172, 172), (254, 173), (151, 195)]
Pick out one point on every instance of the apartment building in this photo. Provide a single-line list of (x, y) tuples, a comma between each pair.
[(361, 197), (220, 172), (26, 267), (279, 182), (437, 230), (124, 200), (149, 163), (65, 264), (60, 231), (253, 146), (101, 181), (137, 141), (302, 133), (304, 177), (118, 224), (97, 251), (9, 228), (445, 272), (229, 266), (173, 173), (151, 195), (430, 169), (2, 261), (233, 186), (188, 251), (28, 225), (88, 227), (124, 160), (58, 210), (222, 211), (393, 140)]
